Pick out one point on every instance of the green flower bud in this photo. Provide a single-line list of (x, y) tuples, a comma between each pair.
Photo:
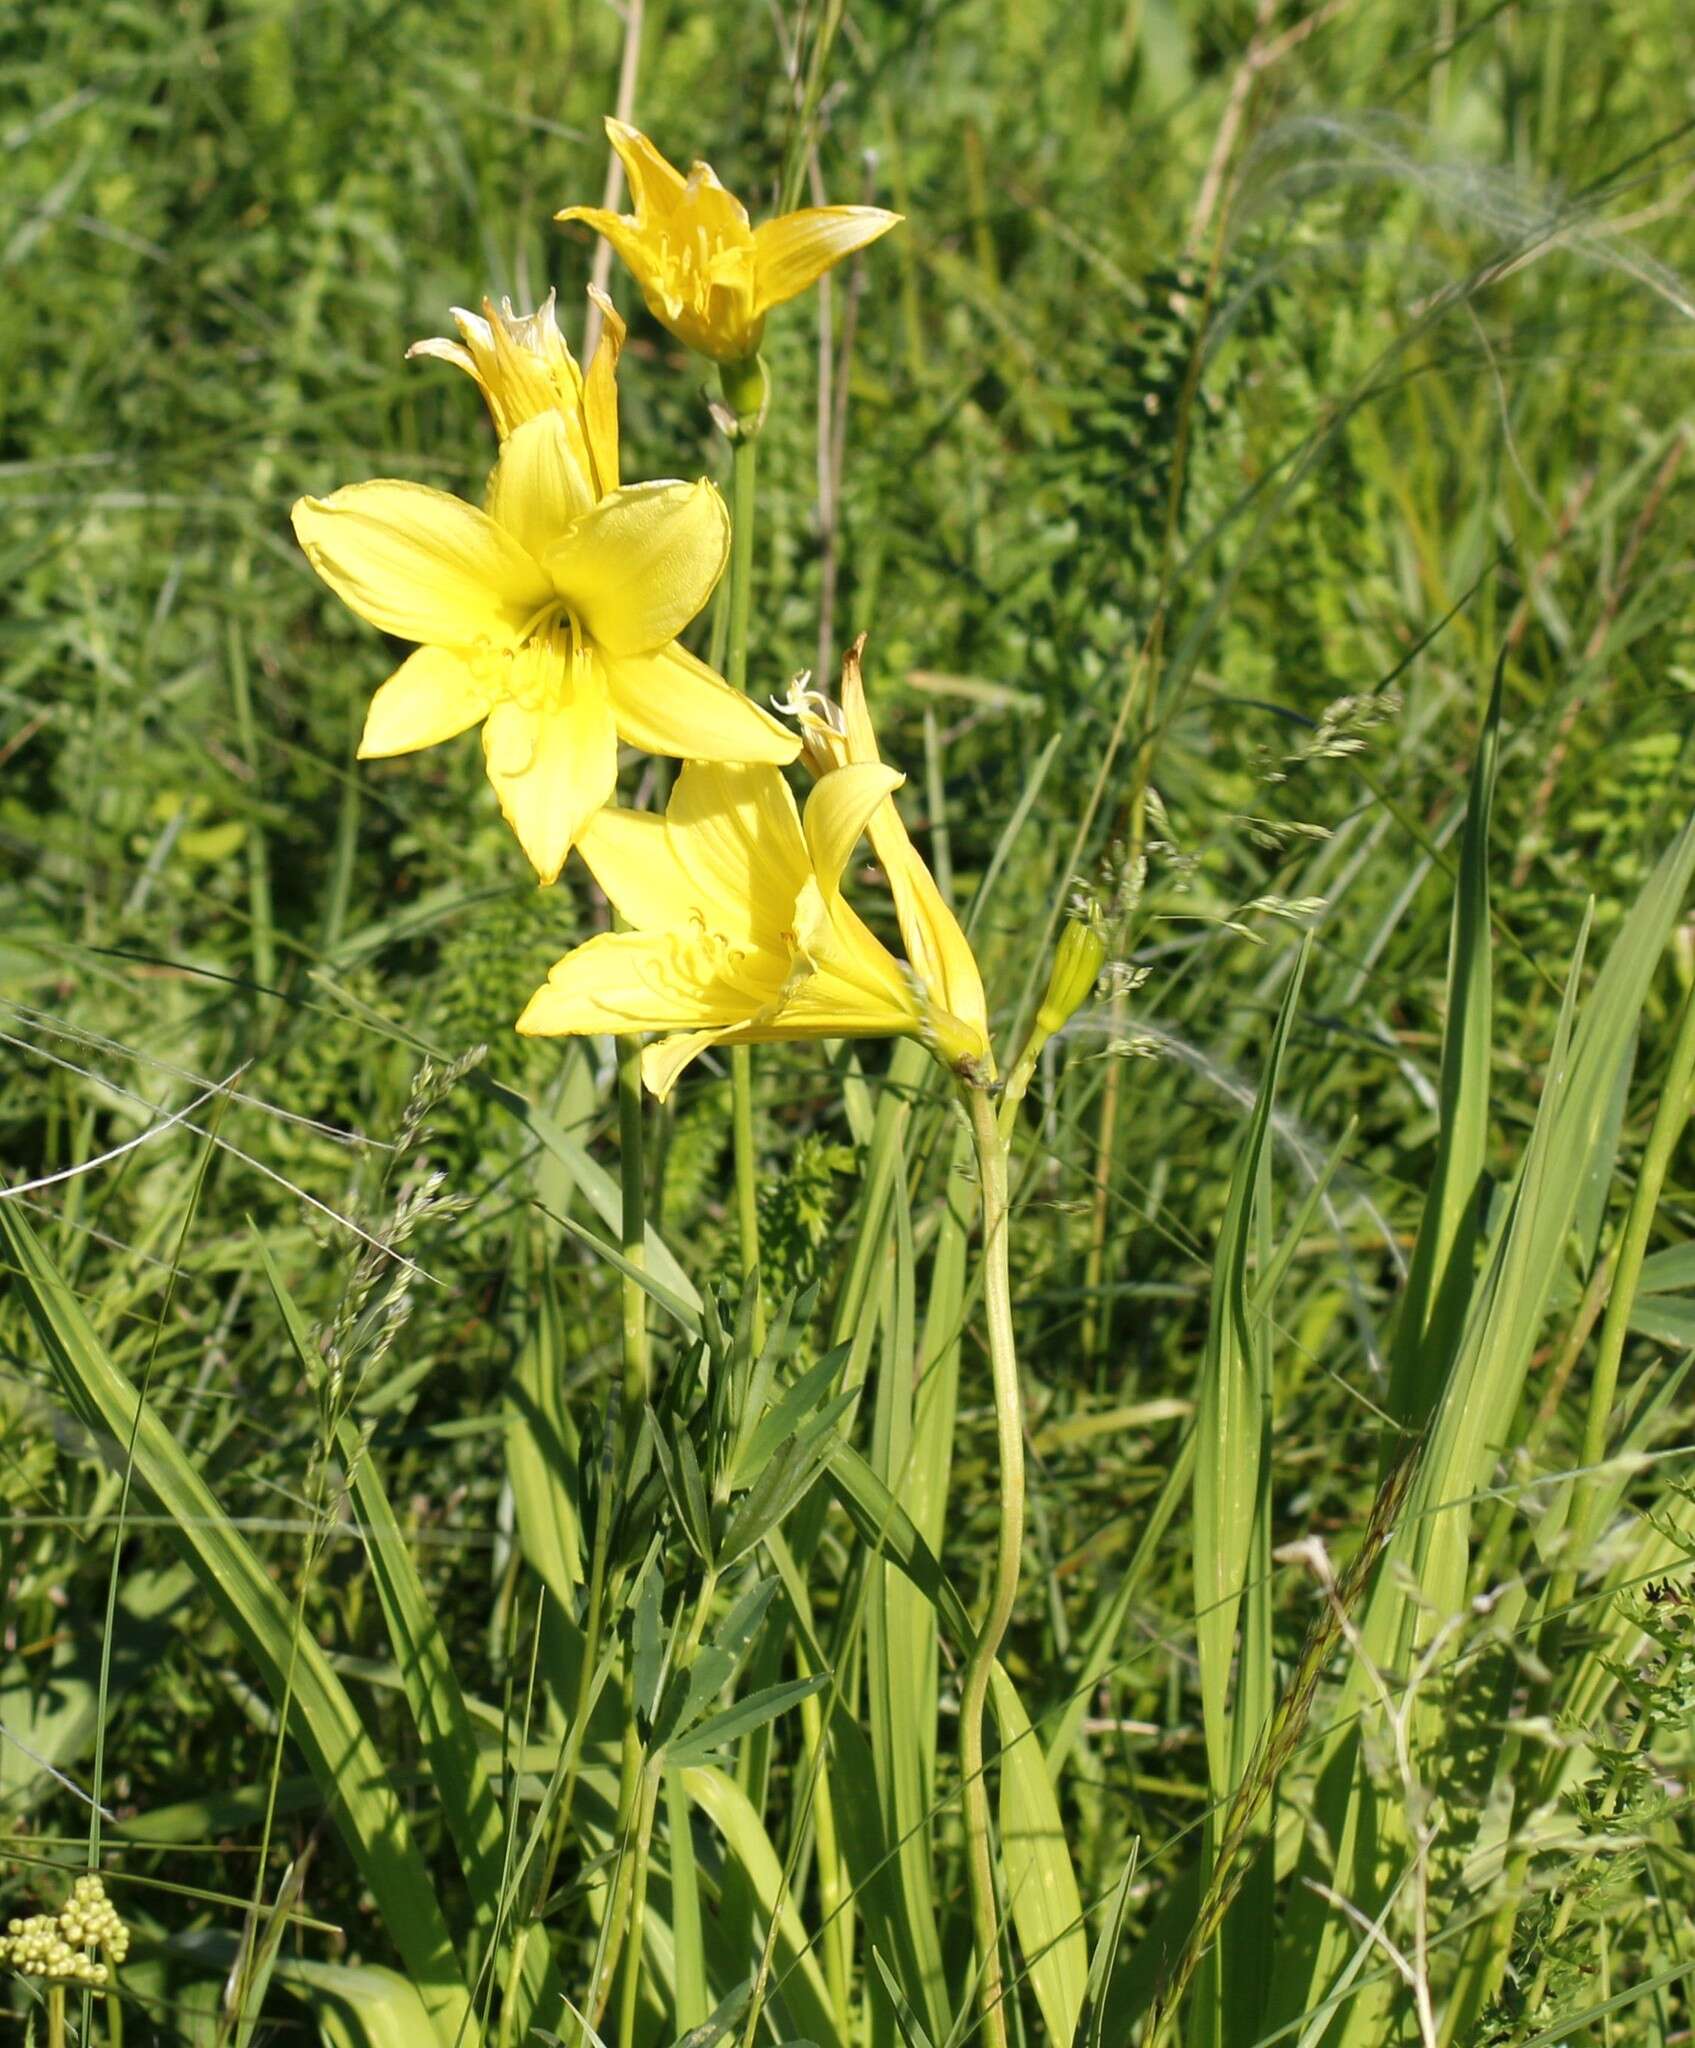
[(1077, 963)]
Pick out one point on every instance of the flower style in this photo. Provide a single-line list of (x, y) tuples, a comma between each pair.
[(739, 930), (705, 273), (833, 737), (551, 619)]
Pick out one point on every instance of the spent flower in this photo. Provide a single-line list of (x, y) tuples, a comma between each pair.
[(705, 271), (523, 366)]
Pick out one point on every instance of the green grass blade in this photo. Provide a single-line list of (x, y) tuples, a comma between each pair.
[(342, 1755), (1232, 1544), (541, 1445), (1439, 1281)]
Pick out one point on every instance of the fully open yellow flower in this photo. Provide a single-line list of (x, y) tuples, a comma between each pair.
[(739, 929), (835, 737), (524, 367), (550, 619), (705, 272)]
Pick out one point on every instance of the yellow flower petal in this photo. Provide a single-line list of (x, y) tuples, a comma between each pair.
[(655, 184), (420, 564), (687, 244), (794, 251), (670, 702), (940, 954), (632, 245), (831, 1004), (431, 696), (638, 566), (538, 486), (662, 1063), (638, 981), (600, 395), (706, 203), (837, 812), (552, 768), (736, 833), (629, 854), (854, 973)]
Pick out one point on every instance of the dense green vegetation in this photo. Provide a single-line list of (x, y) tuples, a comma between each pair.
[(1260, 465)]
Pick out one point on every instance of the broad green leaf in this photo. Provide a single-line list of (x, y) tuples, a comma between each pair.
[(420, 1653), (799, 1979), (433, 1694), (1668, 1272), (691, 2010), (785, 1416), (356, 2005), (900, 1698), (726, 1652), (676, 1304), (912, 2032), (50, 1707), (604, 1194), (1041, 1885)]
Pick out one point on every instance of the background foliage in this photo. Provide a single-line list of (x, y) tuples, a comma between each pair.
[(1245, 382)]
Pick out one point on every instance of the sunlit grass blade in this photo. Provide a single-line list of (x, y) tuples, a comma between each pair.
[(1041, 1886), (800, 1986)]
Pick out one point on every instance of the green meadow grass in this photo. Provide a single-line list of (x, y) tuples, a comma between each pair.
[(1260, 464)]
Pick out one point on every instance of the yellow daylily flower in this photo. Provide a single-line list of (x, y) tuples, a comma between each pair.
[(739, 931), (834, 737), (551, 619), (706, 273), (523, 366)]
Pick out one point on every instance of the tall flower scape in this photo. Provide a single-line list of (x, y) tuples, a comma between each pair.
[(551, 617)]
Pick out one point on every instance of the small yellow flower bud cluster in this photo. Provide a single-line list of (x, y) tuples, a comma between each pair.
[(56, 1944)]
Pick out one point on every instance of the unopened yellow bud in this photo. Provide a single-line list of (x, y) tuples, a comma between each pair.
[(1077, 963)]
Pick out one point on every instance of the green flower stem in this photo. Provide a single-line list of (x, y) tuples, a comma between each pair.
[(629, 1994), (744, 387), (632, 1775), (634, 1230), (1009, 1424), (747, 1181)]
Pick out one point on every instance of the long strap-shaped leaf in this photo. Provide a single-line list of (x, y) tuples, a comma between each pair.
[(1232, 1545), (343, 1758)]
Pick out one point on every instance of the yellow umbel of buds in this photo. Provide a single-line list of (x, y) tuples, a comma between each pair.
[(57, 1945)]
